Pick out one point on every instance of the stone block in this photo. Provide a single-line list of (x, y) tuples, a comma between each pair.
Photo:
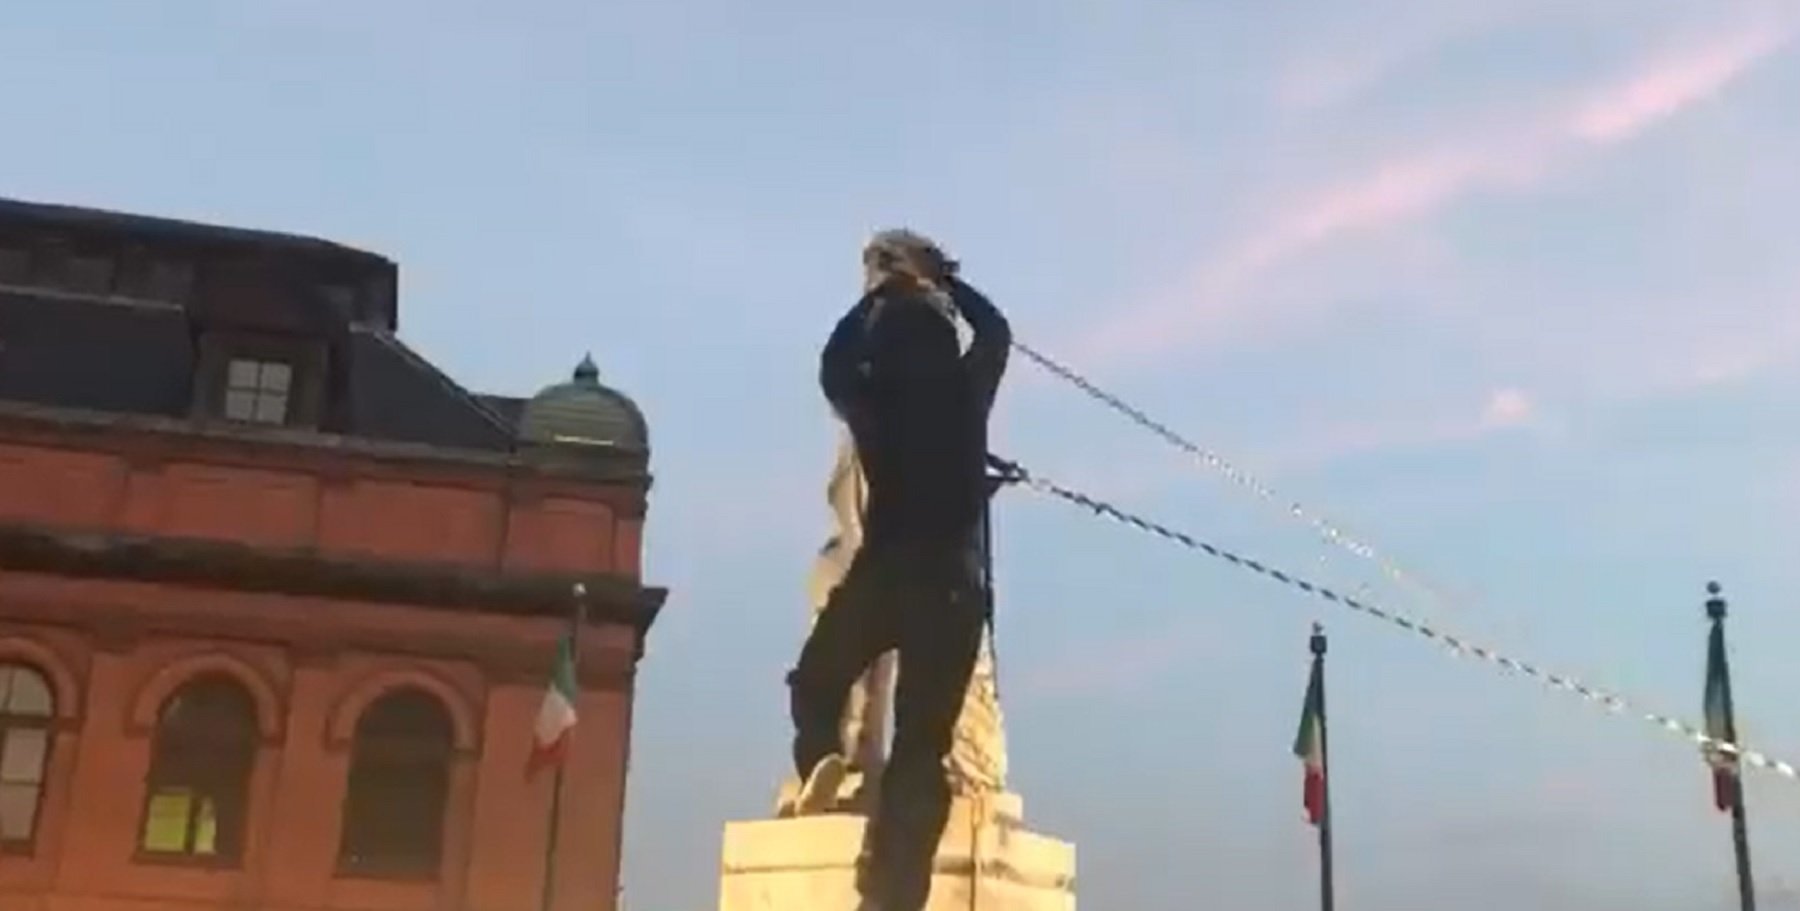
[(987, 861)]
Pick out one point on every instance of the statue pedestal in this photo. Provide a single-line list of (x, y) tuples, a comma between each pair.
[(987, 861)]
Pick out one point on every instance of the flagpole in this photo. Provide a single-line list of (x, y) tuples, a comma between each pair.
[(577, 620), (1740, 830), (1327, 895)]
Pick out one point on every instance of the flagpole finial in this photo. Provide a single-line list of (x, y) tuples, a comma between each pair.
[(1715, 604), (1318, 639)]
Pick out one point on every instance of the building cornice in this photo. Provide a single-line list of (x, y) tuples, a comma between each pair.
[(612, 598), (147, 440)]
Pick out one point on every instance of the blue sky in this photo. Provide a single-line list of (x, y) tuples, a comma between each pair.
[(1508, 287)]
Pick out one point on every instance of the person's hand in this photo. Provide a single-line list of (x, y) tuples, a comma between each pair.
[(933, 264)]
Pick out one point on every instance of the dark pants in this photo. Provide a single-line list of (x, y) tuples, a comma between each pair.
[(926, 602)]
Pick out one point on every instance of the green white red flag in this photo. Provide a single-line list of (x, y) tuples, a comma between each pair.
[(1724, 766), (1309, 746), (556, 716)]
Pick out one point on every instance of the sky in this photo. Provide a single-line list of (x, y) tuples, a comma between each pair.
[(1510, 289)]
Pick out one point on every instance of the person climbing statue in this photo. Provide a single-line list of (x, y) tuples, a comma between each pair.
[(917, 409)]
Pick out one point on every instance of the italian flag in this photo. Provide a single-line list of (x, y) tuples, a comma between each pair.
[(556, 717), (1724, 766), (1309, 746)]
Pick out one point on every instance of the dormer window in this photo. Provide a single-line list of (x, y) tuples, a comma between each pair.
[(257, 391), (259, 379)]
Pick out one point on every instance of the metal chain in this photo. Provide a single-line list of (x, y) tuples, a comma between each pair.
[(1457, 645), (1329, 531)]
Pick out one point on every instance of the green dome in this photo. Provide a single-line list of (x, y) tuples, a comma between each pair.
[(583, 412)]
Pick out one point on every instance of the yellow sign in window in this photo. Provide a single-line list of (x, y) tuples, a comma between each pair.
[(175, 814)]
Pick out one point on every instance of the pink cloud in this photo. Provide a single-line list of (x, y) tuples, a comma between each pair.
[(1507, 408), (1352, 60), (1672, 83), (1212, 303)]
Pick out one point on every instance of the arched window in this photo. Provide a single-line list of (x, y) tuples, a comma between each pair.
[(399, 780), (26, 708), (199, 787)]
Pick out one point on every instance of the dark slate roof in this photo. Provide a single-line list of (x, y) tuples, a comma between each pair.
[(153, 228), (510, 408), (120, 355), (397, 395), (100, 356), (109, 355)]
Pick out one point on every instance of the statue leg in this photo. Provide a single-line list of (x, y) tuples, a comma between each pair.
[(866, 730), (978, 758), (865, 717)]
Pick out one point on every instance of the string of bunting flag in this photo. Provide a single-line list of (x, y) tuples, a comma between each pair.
[(1457, 645), (1330, 531)]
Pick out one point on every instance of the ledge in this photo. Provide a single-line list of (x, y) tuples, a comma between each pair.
[(612, 598), (629, 468)]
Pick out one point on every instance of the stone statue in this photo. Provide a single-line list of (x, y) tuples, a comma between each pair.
[(977, 762)]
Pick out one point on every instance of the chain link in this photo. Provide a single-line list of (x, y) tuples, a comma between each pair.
[(1331, 532), (1457, 645)]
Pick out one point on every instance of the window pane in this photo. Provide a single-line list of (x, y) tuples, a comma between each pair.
[(394, 818), (206, 828), (240, 405), (271, 408), (205, 747), (410, 715), (241, 374), (276, 376), (213, 708), (18, 811), (394, 808), (29, 693), (22, 755), (166, 821)]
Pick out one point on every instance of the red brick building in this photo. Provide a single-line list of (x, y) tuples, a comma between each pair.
[(278, 599)]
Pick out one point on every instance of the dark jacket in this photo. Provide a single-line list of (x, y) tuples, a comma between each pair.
[(922, 440)]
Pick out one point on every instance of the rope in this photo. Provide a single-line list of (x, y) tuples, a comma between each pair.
[(1457, 645), (1331, 532)]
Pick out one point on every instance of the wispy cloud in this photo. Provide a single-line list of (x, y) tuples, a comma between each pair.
[(1673, 82), (1504, 410), (1352, 61), (1507, 408), (1214, 302)]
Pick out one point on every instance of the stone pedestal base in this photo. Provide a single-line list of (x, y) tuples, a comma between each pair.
[(987, 861)]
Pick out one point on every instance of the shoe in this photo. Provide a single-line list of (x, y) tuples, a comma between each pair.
[(820, 792)]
